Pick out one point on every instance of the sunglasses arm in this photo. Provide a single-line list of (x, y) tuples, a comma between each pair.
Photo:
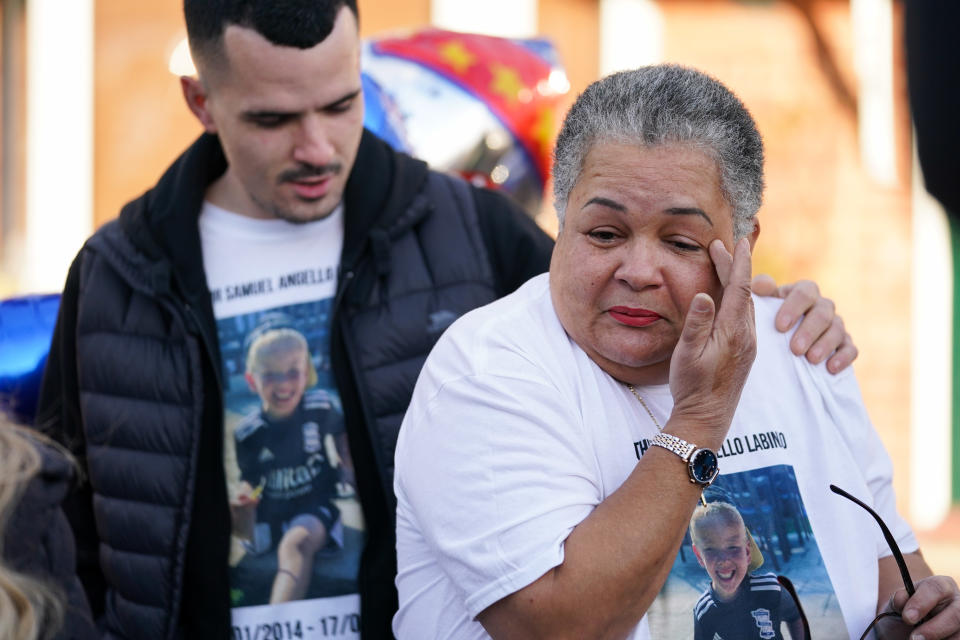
[(891, 542)]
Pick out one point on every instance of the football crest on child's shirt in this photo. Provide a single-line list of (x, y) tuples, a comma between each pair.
[(762, 616), (311, 437)]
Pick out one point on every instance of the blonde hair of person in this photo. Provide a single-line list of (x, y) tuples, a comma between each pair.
[(726, 514), (29, 608), (722, 513), (277, 341)]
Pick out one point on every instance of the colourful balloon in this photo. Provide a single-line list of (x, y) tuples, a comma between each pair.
[(26, 326), (482, 106)]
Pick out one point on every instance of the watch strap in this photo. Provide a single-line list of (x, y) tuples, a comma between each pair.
[(677, 445)]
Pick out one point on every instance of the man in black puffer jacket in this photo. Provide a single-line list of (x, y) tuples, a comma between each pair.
[(284, 214)]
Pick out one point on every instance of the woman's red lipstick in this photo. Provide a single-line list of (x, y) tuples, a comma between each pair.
[(633, 317)]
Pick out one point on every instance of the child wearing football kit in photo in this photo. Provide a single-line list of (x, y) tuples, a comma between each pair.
[(290, 463), (738, 603)]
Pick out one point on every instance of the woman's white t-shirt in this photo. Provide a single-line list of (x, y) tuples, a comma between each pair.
[(514, 436)]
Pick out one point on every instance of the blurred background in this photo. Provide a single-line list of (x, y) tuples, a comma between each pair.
[(92, 114)]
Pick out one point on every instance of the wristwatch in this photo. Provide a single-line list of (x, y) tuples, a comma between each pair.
[(701, 463)]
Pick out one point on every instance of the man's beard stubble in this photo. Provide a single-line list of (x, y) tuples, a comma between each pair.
[(292, 175)]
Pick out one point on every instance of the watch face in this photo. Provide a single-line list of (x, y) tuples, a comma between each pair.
[(703, 466)]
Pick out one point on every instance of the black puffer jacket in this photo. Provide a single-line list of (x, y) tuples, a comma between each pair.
[(133, 378)]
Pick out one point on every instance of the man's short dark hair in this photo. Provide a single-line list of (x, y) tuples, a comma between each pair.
[(291, 23)]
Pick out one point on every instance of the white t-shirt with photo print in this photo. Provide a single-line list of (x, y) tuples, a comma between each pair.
[(254, 264), (514, 436), (265, 273)]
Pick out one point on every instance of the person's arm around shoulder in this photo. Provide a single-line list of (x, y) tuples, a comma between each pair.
[(517, 247), (617, 559), (821, 334)]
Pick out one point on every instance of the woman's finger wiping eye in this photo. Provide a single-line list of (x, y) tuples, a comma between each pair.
[(722, 261)]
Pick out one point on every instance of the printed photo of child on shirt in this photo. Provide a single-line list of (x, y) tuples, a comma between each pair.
[(290, 463), (738, 603)]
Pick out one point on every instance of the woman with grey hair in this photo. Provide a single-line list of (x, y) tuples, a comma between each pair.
[(559, 439)]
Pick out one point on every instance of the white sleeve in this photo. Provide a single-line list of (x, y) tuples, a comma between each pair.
[(496, 473), (841, 395)]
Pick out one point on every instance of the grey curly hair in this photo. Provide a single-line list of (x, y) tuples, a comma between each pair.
[(659, 105)]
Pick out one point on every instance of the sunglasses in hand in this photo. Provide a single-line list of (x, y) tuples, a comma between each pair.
[(888, 625)]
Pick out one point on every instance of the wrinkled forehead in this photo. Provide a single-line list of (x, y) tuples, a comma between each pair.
[(685, 148), (669, 178)]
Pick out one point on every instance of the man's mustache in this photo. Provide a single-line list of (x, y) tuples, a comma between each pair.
[(310, 171)]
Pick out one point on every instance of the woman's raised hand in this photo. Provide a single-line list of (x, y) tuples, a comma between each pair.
[(716, 349)]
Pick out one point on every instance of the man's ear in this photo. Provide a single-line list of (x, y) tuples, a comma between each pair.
[(196, 96), (754, 234)]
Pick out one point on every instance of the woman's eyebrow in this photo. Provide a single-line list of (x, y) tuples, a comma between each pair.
[(676, 211), (688, 211), (605, 202)]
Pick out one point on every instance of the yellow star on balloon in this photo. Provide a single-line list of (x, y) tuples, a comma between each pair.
[(457, 56), (543, 127), (506, 82)]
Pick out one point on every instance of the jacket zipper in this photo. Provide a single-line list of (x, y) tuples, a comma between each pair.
[(341, 289), (196, 326), (369, 421)]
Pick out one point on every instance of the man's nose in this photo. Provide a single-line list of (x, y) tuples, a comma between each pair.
[(313, 145)]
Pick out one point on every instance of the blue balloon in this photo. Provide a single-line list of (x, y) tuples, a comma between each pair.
[(380, 114), (26, 327)]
